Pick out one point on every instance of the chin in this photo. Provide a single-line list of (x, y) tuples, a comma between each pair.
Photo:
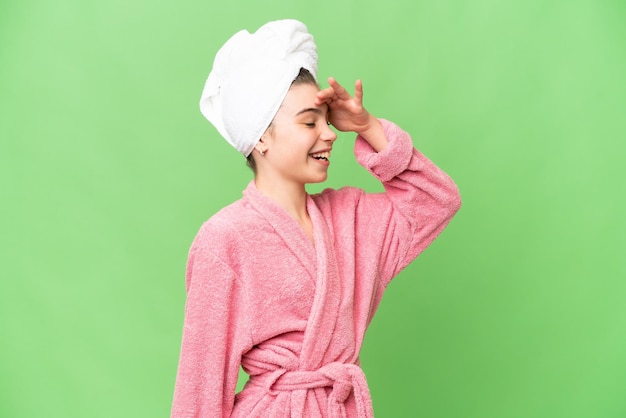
[(318, 180)]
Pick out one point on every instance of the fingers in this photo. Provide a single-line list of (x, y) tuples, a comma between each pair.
[(337, 92), (325, 95), (358, 92), (340, 91)]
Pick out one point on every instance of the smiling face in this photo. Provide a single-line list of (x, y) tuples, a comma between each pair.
[(297, 145)]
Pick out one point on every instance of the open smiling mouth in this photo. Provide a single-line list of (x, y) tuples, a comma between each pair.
[(321, 155)]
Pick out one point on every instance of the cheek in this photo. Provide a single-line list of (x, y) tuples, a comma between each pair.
[(298, 143)]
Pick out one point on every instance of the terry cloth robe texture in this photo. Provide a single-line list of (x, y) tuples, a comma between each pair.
[(261, 295)]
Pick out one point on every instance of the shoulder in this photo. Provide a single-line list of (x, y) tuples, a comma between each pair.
[(228, 231), (228, 221), (332, 197), (335, 202), (352, 204)]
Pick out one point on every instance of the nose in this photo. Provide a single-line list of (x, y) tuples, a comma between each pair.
[(328, 134)]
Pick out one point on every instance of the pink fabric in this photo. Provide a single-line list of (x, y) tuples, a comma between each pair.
[(294, 314)]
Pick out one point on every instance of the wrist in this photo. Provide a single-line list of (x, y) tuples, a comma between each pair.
[(373, 133)]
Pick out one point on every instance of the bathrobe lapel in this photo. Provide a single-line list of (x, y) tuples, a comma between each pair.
[(285, 226), (328, 349), (324, 312), (320, 262)]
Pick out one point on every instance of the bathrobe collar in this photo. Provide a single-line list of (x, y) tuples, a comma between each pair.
[(319, 260)]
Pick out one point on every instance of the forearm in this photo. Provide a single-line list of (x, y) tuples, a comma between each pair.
[(422, 197), (374, 134)]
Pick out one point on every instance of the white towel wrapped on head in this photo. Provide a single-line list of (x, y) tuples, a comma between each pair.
[(251, 76)]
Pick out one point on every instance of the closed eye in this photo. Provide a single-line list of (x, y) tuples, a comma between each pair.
[(313, 114)]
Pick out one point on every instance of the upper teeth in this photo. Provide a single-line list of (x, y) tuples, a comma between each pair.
[(324, 154)]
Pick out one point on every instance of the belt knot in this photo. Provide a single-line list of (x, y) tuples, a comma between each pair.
[(343, 379)]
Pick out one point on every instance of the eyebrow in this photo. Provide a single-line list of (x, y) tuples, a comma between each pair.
[(310, 109)]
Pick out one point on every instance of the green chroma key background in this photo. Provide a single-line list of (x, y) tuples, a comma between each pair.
[(108, 170)]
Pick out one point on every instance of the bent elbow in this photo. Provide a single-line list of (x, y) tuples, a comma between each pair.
[(454, 201)]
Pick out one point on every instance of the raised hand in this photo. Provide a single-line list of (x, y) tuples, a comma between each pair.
[(346, 113)]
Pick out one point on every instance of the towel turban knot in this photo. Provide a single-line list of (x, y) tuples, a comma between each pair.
[(251, 76)]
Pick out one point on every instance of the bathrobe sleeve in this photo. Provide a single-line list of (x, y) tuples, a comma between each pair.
[(419, 201), (215, 334)]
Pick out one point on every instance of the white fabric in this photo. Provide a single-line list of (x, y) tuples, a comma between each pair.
[(251, 76)]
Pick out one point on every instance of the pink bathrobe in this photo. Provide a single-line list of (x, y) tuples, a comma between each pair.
[(294, 314)]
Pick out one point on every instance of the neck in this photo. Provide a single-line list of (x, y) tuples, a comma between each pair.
[(290, 196)]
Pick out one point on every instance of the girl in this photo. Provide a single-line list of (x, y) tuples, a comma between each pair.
[(285, 283)]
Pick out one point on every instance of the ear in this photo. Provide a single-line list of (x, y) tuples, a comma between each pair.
[(261, 146)]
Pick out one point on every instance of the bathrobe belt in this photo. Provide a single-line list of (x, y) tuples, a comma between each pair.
[(342, 378)]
